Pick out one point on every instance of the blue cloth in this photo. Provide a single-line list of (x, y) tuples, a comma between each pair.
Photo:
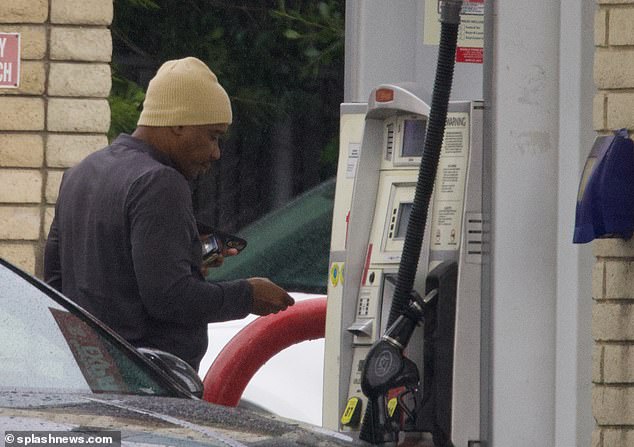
[(605, 204)]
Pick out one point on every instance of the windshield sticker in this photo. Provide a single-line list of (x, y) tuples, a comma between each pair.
[(91, 354)]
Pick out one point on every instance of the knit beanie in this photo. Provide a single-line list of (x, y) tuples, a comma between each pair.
[(185, 92)]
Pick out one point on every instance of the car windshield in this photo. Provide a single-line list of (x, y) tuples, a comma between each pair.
[(46, 346)]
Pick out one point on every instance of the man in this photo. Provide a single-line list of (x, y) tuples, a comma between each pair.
[(124, 243)]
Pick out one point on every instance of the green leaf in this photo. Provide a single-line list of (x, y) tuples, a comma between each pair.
[(324, 9), (217, 33), (292, 34), (312, 52)]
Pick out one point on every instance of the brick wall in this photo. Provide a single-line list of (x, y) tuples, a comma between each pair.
[(613, 275), (57, 116)]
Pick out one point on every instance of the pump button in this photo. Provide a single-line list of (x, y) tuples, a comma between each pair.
[(352, 414)]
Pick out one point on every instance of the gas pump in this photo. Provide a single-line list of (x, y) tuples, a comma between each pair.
[(447, 347)]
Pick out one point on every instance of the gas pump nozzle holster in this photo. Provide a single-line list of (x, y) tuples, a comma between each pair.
[(386, 368)]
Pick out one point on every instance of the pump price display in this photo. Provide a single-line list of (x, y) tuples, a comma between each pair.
[(9, 60)]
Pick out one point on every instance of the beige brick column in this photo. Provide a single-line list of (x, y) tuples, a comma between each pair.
[(57, 116), (613, 276)]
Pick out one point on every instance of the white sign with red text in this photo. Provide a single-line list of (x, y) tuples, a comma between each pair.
[(470, 34), (9, 60)]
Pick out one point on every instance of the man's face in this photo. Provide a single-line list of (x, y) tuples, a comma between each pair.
[(195, 148)]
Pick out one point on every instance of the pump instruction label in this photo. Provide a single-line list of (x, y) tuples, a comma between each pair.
[(354, 150), (470, 33), (449, 189)]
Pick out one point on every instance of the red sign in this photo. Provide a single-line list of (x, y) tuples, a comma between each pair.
[(9, 60), (469, 55)]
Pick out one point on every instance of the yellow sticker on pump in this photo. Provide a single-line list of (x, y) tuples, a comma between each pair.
[(335, 273), (391, 406), (352, 409)]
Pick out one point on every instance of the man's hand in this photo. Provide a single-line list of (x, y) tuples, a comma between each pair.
[(217, 261), (268, 298)]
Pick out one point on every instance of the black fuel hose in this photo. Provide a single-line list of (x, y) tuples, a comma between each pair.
[(450, 21), (428, 167)]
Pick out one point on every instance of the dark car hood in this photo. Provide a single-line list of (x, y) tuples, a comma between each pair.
[(157, 420)]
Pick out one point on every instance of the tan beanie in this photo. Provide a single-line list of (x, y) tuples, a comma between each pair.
[(185, 92)]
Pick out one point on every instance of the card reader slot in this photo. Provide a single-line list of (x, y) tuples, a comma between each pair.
[(362, 328)]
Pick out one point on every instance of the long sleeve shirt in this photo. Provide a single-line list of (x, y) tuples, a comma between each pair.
[(124, 246)]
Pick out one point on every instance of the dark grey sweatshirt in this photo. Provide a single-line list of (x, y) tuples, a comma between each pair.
[(125, 247)]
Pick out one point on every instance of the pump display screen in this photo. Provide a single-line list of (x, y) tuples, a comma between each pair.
[(404, 211), (413, 138)]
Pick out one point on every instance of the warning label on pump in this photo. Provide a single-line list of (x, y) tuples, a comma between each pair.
[(469, 55), (9, 60), (354, 149), (470, 33), (446, 224)]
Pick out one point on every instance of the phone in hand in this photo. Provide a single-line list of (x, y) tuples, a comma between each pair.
[(215, 241)]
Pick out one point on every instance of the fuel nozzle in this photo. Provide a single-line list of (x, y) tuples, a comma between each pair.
[(401, 330), (386, 368)]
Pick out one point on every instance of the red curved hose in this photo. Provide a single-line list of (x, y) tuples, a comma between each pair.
[(256, 343)]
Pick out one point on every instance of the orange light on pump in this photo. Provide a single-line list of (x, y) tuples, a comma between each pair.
[(384, 95)]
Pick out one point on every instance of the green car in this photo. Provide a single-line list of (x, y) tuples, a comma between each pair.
[(290, 245)]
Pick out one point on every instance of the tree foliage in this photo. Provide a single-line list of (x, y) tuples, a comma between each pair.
[(267, 54), (126, 98), (281, 61)]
